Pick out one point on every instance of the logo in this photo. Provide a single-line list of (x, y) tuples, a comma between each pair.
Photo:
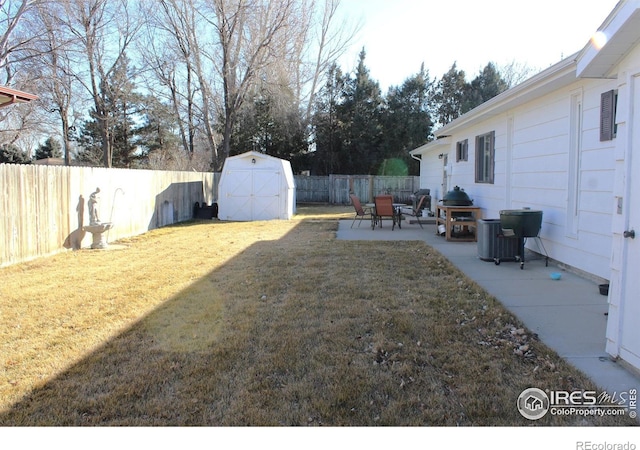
[(533, 403)]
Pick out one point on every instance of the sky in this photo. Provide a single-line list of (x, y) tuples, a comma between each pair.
[(399, 35)]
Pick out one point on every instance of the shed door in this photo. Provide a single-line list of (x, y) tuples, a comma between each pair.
[(254, 195), (266, 190), (630, 333), (239, 188)]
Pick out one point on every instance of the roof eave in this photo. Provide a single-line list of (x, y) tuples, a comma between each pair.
[(430, 146), (10, 96), (621, 30), (549, 80)]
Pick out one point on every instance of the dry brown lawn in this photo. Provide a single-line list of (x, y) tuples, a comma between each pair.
[(263, 323)]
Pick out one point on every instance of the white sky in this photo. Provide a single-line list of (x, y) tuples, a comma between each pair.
[(399, 35)]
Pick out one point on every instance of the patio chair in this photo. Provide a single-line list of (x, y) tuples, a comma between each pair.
[(361, 212), (383, 208), (414, 212)]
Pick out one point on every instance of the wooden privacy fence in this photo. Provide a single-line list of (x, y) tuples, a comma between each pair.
[(335, 189), (43, 208)]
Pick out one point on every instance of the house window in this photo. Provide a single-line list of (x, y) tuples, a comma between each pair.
[(608, 103), (462, 150), (485, 157)]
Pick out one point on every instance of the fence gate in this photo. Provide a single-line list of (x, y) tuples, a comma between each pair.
[(400, 187), (368, 186), (341, 186)]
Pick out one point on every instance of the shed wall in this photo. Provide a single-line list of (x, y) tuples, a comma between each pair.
[(254, 186)]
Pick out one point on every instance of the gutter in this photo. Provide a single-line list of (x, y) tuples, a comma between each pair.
[(15, 96)]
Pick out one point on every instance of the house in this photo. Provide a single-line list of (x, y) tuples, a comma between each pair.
[(255, 186), (566, 142), (533, 403)]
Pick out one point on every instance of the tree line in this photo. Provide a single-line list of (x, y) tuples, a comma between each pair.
[(183, 84)]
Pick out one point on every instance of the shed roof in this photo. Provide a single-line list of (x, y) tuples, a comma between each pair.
[(254, 154)]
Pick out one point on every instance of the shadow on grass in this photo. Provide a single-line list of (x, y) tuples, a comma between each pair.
[(307, 330), (199, 359)]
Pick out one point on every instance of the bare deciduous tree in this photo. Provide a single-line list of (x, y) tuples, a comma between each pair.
[(515, 72), (332, 41), (104, 30), (17, 38), (251, 36), (10, 17), (55, 72), (181, 54), (167, 52)]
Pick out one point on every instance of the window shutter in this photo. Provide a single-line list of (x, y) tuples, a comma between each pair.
[(607, 115)]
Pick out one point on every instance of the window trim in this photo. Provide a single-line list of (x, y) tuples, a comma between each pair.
[(485, 142)]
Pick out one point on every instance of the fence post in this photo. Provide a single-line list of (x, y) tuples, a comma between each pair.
[(371, 184), (332, 197)]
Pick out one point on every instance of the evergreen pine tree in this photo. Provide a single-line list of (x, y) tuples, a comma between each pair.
[(50, 149), (362, 113)]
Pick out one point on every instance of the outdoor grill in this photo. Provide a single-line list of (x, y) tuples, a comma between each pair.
[(415, 198), (456, 197), (521, 224)]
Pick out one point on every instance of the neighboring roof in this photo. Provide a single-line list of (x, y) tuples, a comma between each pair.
[(60, 162), (622, 28), (9, 96), (49, 162)]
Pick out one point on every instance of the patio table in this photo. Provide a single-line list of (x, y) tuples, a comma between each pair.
[(396, 207)]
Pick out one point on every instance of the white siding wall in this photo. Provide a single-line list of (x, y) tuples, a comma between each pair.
[(538, 175), (431, 169)]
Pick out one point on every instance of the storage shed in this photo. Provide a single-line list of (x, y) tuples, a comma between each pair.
[(255, 186)]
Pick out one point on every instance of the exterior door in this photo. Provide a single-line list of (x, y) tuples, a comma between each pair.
[(266, 195), (240, 189), (256, 195), (630, 300)]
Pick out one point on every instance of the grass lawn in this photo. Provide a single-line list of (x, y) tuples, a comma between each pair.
[(264, 323)]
